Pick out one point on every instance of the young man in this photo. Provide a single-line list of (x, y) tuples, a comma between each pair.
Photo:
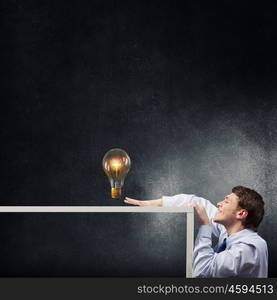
[(240, 252)]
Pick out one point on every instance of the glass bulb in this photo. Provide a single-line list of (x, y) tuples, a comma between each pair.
[(116, 164)]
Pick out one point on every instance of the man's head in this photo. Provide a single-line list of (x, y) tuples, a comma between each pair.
[(242, 205)]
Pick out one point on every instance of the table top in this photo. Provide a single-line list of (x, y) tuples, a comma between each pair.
[(86, 209)]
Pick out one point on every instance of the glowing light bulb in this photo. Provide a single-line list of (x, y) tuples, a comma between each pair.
[(116, 164)]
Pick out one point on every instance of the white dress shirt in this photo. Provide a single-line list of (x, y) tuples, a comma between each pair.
[(246, 252)]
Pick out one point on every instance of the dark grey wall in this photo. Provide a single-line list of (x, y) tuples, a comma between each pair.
[(186, 88)]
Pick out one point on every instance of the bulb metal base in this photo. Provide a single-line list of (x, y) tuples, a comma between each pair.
[(116, 193)]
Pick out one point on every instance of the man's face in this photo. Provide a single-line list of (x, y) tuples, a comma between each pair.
[(227, 210)]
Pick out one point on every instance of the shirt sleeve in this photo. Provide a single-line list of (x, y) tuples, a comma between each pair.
[(233, 262), (183, 199)]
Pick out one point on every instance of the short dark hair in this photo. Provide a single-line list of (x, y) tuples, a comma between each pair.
[(253, 203)]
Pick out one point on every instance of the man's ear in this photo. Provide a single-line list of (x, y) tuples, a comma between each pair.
[(242, 214)]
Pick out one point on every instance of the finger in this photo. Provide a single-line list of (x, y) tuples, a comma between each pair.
[(198, 207), (132, 201), (128, 198)]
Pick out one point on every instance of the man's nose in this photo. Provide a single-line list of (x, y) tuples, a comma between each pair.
[(219, 204)]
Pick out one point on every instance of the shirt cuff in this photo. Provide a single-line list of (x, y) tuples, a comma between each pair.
[(205, 231), (166, 201)]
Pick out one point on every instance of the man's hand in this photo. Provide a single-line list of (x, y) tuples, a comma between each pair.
[(157, 202), (201, 214)]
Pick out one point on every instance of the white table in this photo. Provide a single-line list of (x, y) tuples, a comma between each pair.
[(118, 209)]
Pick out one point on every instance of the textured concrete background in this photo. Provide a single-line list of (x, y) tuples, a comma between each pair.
[(187, 88)]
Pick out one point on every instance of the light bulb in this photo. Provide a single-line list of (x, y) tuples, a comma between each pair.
[(116, 164)]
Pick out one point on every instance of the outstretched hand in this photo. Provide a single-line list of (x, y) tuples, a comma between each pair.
[(136, 202), (157, 202)]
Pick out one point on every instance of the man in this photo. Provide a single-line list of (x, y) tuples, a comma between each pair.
[(240, 252)]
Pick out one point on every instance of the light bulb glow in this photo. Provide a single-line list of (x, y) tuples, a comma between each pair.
[(116, 164)]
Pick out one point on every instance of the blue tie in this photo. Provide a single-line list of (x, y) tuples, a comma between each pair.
[(222, 246)]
